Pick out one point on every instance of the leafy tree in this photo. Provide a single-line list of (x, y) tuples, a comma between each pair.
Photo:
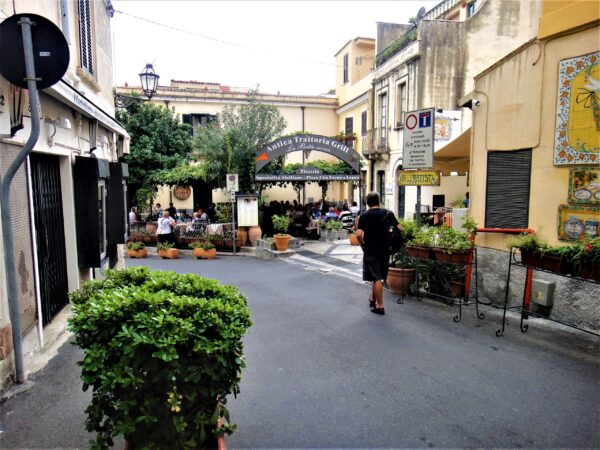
[(230, 146), (158, 142)]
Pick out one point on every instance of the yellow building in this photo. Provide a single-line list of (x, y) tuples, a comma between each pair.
[(354, 74), (198, 103), (536, 144)]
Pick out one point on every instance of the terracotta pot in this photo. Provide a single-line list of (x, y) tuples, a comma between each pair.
[(282, 241), (457, 289), (142, 253), (151, 227), (456, 257), (399, 280), (353, 239), (169, 253), (200, 253), (254, 234), (242, 235), (419, 252)]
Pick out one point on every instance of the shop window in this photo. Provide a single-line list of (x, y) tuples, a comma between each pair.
[(507, 190), (85, 36)]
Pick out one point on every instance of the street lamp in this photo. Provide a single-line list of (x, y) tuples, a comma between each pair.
[(149, 79)]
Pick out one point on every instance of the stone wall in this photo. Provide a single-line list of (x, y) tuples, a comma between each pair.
[(575, 302)]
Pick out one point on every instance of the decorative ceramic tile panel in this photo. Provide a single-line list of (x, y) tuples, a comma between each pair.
[(577, 139), (584, 185)]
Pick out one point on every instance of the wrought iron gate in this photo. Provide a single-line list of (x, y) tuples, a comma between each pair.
[(48, 216)]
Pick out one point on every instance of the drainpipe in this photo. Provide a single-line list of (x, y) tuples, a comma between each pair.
[(7, 232), (302, 108)]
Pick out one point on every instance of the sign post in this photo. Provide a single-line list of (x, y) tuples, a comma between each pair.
[(232, 188), (418, 139)]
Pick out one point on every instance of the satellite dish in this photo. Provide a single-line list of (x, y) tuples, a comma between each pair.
[(50, 51), (421, 13)]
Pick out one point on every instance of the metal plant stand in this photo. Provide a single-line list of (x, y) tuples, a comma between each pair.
[(461, 300), (524, 307)]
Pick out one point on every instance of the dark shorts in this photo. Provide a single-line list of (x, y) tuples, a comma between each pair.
[(375, 267), (166, 238)]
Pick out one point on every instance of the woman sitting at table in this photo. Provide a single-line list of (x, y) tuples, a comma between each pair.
[(331, 215)]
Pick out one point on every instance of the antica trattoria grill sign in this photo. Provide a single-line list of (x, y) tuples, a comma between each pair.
[(306, 142)]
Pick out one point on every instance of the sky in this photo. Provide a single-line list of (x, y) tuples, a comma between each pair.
[(281, 46)]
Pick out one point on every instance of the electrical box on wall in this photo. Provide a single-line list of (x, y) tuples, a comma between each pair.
[(542, 292)]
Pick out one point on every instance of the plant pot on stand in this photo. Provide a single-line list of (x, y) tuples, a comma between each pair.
[(399, 280)]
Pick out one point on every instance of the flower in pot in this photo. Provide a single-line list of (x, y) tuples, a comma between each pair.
[(137, 250), (401, 273), (160, 350), (203, 250), (281, 224), (420, 245), (167, 250)]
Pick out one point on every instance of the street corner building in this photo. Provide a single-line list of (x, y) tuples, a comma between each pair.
[(67, 200)]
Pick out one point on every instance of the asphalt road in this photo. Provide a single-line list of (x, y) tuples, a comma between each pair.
[(322, 371)]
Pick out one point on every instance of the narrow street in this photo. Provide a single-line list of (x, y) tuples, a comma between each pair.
[(322, 371)]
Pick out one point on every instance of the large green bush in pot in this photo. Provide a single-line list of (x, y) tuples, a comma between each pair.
[(160, 350)]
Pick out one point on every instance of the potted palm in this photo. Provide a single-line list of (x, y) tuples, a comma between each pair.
[(281, 224), (166, 250), (137, 250)]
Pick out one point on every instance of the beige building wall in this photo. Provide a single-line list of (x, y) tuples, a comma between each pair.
[(517, 111)]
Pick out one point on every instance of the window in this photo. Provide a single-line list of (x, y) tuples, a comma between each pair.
[(471, 8), (197, 120), (346, 68), (383, 117), (381, 186), (363, 123), (349, 131), (401, 105), (85, 36), (507, 190)]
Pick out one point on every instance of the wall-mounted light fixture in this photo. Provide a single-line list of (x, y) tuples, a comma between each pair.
[(149, 80), (53, 124)]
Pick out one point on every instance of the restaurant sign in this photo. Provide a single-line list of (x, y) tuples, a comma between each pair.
[(419, 178), (306, 143), (306, 177)]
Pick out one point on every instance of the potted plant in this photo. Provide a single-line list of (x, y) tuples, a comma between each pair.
[(420, 245), (453, 246), (353, 238), (162, 351), (536, 252), (586, 257), (281, 224), (203, 250), (401, 273), (137, 250), (334, 230), (166, 250)]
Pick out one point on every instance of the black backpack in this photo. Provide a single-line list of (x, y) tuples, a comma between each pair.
[(396, 239)]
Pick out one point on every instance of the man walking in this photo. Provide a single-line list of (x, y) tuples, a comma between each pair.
[(374, 237)]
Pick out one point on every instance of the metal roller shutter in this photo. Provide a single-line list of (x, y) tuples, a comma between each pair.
[(507, 193)]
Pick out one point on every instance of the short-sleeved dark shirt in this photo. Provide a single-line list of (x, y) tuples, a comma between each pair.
[(376, 223)]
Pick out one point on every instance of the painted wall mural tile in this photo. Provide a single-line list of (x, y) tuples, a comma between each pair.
[(578, 223), (577, 139), (584, 185)]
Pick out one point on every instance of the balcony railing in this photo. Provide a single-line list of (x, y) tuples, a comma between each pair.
[(373, 143), (397, 46)]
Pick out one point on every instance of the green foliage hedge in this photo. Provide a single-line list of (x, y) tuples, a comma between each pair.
[(160, 349)]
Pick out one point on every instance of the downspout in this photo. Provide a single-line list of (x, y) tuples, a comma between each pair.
[(7, 232), (302, 108)]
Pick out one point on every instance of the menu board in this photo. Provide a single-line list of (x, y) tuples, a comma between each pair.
[(247, 211)]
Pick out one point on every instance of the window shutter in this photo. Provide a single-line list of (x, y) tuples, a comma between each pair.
[(507, 193), (85, 35)]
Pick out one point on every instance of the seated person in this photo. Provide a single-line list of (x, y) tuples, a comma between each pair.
[(331, 215), (354, 208)]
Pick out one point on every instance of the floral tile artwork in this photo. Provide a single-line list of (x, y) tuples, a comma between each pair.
[(578, 223), (577, 138), (584, 185)]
